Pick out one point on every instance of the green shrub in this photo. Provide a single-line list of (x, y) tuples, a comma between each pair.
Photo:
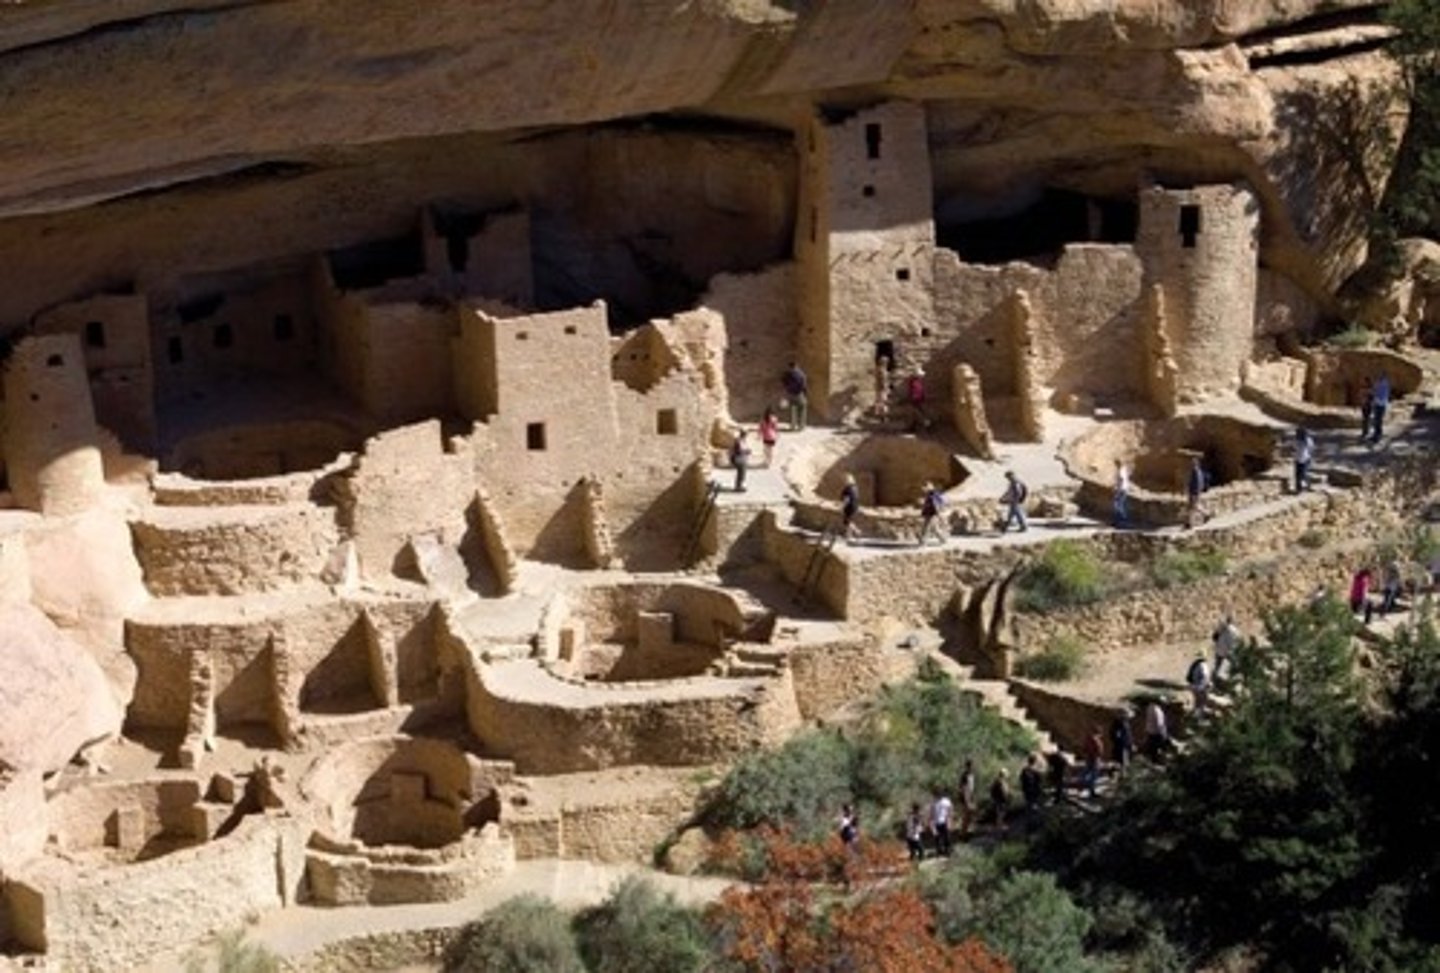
[(802, 783), (1025, 916), (1066, 573), (234, 955), (1422, 544), (1354, 336), (1062, 658), (639, 929), (1313, 538), (908, 745), (520, 935), (1174, 568)]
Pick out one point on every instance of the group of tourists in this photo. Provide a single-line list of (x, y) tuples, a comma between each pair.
[(1389, 582), (1197, 481)]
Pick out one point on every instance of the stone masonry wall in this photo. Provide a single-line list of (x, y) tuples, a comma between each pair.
[(117, 918)]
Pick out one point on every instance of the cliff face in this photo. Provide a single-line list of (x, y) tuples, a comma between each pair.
[(104, 98)]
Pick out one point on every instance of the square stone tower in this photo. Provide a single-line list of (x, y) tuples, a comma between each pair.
[(865, 240)]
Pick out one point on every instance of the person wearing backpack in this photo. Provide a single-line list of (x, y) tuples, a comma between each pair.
[(1197, 677), (931, 503), (1014, 497)]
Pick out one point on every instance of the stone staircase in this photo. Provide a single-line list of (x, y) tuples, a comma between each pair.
[(995, 695), (751, 660)]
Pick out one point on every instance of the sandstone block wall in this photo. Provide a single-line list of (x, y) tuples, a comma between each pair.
[(761, 323), (266, 449), (828, 675), (118, 918), (695, 723), (210, 331), (202, 551), (115, 332), (405, 483)]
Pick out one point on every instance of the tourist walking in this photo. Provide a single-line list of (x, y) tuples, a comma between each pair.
[(1157, 732), (940, 813), (1122, 493), (1304, 454), (1197, 677), (740, 459), (769, 435), (1014, 497), (1000, 797), (1059, 768), (931, 503), (1379, 406), (849, 826), (1094, 754), (1032, 787), (1195, 482), (797, 394), (1360, 593), (915, 397), (1122, 740), (966, 793), (1367, 408), (1226, 639), (849, 507), (1391, 582), (915, 833)]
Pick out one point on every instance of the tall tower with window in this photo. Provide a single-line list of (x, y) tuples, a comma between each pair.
[(1200, 247), (865, 238)]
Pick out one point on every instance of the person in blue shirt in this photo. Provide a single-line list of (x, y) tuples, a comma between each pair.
[(1380, 392), (1194, 486)]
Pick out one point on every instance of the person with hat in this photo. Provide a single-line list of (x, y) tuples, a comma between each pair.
[(849, 507)]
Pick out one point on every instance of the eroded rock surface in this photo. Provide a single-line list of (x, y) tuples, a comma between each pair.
[(54, 699)]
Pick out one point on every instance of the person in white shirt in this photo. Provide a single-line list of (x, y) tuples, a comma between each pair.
[(1157, 734), (1304, 455), (1122, 493), (940, 813), (1226, 640)]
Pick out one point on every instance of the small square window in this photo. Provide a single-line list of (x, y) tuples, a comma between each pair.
[(223, 336), (284, 327), (1189, 225), (535, 436), (867, 191), (522, 336), (667, 423), (54, 361), (570, 329), (95, 334), (872, 140), (903, 273)]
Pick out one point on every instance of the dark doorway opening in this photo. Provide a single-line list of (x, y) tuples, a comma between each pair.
[(1037, 232)]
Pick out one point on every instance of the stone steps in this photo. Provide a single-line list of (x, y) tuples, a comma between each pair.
[(995, 695)]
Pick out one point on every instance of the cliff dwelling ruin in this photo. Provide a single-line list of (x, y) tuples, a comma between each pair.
[(366, 509)]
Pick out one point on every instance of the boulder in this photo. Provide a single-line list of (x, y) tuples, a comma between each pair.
[(54, 699)]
